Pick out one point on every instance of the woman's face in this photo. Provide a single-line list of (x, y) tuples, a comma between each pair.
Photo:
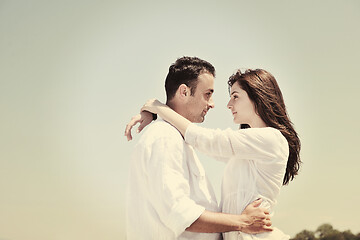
[(242, 108)]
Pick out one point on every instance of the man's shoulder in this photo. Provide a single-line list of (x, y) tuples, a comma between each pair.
[(161, 130), (164, 127)]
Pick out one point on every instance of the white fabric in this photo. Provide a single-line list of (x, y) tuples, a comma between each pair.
[(256, 163), (168, 189)]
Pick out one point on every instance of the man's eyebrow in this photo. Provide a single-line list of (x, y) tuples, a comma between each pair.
[(211, 90)]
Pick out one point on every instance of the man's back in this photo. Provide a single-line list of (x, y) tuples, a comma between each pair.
[(168, 189)]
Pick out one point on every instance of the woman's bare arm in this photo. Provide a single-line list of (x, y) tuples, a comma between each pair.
[(166, 113)]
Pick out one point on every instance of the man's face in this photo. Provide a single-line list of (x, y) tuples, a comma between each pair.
[(200, 103)]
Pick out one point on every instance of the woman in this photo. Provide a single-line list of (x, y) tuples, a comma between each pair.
[(261, 156)]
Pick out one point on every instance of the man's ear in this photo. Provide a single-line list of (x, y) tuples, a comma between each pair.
[(183, 91)]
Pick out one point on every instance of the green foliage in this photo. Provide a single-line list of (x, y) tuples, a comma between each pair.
[(326, 232), (305, 235)]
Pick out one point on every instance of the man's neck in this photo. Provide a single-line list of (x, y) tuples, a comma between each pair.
[(177, 108), (170, 105)]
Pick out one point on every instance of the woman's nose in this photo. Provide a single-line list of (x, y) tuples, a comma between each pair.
[(229, 106)]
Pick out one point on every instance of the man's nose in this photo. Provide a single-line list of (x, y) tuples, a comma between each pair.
[(211, 103)]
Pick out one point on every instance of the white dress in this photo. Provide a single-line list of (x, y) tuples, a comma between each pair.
[(256, 163)]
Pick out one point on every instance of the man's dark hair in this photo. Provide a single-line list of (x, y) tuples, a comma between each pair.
[(186, 71)]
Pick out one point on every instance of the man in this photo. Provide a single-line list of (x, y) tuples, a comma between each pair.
[(169, 195)]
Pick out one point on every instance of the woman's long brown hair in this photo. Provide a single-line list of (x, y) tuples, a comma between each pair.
[(263, 90)]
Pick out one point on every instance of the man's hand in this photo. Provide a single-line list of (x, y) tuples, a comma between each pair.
[(144, 118), (257, 220)]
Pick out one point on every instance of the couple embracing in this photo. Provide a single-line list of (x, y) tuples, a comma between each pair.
[(169, 195)]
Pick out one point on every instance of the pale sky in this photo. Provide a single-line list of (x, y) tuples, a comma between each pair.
[(74, 72)]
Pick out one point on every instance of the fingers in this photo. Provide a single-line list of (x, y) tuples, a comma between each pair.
[(142, 125), (265, 211), (257, 202), (134, 120), (128, 132), (266, 226), (267, 222), (268, 229), (144, 119)]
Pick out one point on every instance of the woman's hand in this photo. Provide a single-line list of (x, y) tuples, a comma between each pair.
[(144, 118), (152, 105)]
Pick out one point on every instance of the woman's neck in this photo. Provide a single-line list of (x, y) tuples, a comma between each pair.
[(258, 123)]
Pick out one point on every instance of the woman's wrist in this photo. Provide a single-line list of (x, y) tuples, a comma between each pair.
[(154, 116)]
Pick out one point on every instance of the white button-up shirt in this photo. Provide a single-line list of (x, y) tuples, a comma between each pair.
[(256, 161), (168, 189)]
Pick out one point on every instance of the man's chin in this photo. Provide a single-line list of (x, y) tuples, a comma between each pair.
[(198, 119), (202, 119)]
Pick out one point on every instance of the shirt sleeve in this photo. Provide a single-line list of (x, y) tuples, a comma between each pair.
[(169, 189), (251, 143)]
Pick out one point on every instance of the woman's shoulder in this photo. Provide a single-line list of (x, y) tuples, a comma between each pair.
[(278, 142), (268, 136), (265, 132), (277, 135)]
